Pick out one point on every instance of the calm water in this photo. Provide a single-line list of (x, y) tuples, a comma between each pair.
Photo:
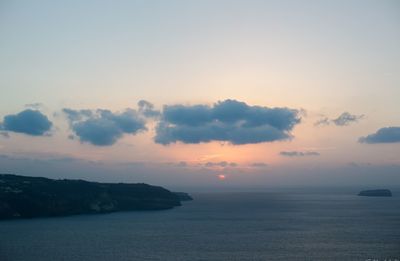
[(224, 226)]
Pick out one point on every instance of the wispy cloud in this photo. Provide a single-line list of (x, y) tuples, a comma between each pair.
[(36, 105), (299, 153), (4, 134), (259, 165), (220, 164), (342, 120), (147, 109)]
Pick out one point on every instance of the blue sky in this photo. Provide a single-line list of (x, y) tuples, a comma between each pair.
[(331, 68)]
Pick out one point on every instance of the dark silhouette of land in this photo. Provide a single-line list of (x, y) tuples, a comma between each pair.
[(29, 197), (376, 193)]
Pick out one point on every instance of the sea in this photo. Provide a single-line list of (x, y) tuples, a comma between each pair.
[(265, 225)]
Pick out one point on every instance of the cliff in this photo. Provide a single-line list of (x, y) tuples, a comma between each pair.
[(183, 196), (28, 197)]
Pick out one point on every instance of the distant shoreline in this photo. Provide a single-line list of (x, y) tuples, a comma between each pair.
[(31, 197)]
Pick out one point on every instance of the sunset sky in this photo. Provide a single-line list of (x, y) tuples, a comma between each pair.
[(202, 93)]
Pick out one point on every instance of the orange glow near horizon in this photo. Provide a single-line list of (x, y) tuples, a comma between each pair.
[(217, 152), (221, 177)]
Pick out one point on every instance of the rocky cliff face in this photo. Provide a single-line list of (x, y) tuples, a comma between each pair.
[(28, 197)]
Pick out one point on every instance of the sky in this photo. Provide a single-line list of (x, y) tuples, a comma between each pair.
[(202, 93)]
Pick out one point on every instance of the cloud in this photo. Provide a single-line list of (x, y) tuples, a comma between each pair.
[(383, 135), (4, 134), (343, 120), (259, 165), (77, 115), (103, 127), (230, 120), (221, 164), (147, 109), (346, 118), (299, 153), (36, 105), (216, 164), (182, 164), (30, 122), (323, 121)]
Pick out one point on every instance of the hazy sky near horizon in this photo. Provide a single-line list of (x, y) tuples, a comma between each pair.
[(213, 72)]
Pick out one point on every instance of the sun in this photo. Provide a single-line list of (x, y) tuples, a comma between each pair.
[(221, 177)]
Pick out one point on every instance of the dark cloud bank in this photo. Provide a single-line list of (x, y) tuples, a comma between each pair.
[(30, 122), (343, 120), (383, 135), (227, 121)]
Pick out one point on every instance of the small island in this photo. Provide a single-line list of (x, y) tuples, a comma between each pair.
[(376, 193), (29, 197)]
